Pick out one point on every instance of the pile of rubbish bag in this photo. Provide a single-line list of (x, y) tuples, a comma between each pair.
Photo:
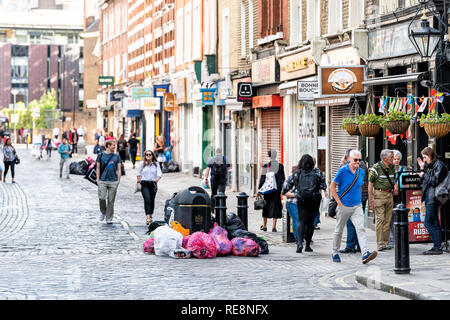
[(82, 167), (175, 241)]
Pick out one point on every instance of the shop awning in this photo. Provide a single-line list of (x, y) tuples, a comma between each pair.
[(134, 113), (392, 79)]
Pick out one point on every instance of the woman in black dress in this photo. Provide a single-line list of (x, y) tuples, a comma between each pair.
[(273, 209)]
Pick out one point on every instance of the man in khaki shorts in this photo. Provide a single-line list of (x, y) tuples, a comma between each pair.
[(382, 188)]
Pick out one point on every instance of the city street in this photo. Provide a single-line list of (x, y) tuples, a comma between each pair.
[(52, 246)]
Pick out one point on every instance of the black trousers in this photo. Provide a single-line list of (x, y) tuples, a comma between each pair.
[(74, 148), (307, 212), (7, 165), (123, 155), (133, 156), (148, 190), (216, 187)]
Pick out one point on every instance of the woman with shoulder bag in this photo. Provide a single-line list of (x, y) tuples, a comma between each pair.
[(148, 175), (9, 159), (433, 173)]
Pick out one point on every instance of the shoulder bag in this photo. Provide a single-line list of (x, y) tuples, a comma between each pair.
[(270, 184), (333, 203), (91, 175)]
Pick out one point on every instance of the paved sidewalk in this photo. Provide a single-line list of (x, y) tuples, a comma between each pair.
[(428, 278)]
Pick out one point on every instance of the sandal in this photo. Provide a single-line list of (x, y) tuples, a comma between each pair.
[(149, 220), (263, 228)]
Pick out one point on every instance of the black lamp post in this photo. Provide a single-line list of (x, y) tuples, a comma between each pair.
[(424, 38)]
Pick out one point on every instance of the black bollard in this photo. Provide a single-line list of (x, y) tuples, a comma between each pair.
[(221, 209), (401, 239), (242, 208)]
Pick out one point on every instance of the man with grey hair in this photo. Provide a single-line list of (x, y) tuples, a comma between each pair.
[(382, 188), (349, 179), (218, 168)]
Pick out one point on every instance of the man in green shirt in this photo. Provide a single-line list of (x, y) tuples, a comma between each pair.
[(382, 188)]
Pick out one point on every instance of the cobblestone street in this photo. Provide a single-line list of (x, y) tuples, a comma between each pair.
[(53, 247)]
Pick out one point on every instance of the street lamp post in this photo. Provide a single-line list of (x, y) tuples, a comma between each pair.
[(15, 92), (75, 84)]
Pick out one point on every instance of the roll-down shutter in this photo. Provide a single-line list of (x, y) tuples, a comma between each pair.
[(271, 132)]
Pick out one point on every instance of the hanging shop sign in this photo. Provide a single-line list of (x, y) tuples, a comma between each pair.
[(140, 92), (265, 70), (105, 80), (341, 80), (169, 101), (306, 90), (150, 104), (130, 104), (245, 92), (208, 96), (160, 89), (298, 65), (116, 95)]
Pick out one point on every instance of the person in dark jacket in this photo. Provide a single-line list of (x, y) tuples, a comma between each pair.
[(273, 209), (307, 208), (434, 172)]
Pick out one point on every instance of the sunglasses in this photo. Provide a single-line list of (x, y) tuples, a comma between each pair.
[(357, 160), (148, 154)]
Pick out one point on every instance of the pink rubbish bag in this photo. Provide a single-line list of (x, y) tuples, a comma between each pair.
[(220, 237), (245, 247), (149, 246), (201, 245), (185, 241)]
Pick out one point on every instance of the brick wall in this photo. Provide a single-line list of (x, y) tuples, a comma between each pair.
[(345, 13), (5, 75), (37, 67), (323, 17)]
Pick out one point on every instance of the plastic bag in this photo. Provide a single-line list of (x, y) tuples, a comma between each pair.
[(245, 247), (149, 246), (154, 225), (180, 254), (201, 245), (233, 223), (185, 241), (178, 227), (324, 204), (250, 235), (167, 240), (220, 237)]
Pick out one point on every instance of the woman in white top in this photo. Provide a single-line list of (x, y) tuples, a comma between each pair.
[(148, 175)]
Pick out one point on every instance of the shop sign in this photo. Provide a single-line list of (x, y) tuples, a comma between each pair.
[(298, 65), (272, 100), (245, 92), (306, 90), (150, 104), (160, 89), (416, 216), (140, 92), (208, 96), (265, 70), (105, 81), (341, 80), (169, 102), (390, 41), (116, 95), (131, 104)]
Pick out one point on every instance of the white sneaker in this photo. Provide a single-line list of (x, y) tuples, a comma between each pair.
[(101, 217), (109, 221)]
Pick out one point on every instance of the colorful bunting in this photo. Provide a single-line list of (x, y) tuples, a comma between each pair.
[(410, 103)]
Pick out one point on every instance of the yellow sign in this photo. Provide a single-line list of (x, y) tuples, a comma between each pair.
[(169, 101)]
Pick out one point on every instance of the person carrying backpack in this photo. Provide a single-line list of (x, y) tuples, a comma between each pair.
[(308, 181), (218, 168)]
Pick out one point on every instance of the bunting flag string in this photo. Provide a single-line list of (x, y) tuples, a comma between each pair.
[(411, 103)]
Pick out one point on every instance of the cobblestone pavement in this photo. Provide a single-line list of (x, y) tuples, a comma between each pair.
[(53, 247)]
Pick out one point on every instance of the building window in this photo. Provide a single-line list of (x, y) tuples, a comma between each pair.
[(387, 6), (19, 69), (313, 22), (251, 27), (296, 22), (356, 13), (243, 30), (334, 16)]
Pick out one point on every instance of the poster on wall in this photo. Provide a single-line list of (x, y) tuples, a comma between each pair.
[(307, 129), (416, 216)]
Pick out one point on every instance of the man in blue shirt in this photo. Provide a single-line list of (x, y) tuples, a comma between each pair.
[(108, 179), (350, 179), (64, 150)]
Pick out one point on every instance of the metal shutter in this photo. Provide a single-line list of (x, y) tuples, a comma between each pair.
[(271, 132), (340, 140)]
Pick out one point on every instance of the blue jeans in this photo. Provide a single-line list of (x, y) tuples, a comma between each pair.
[(317, 219), (432, 222), (352, 238), (293, 212)]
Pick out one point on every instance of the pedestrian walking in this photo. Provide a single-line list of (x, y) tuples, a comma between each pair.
[(73, 138), (382, 188), (110, 136), (122, 145), (217, 168), (64, 150), (291, 203), (433, 173), (48, 146), (317, 217), (148, 175), (108, 180), (159, 150), (134, 146), (9, 159), (349, 179), (273, 208), (308, 182), (55, 132)]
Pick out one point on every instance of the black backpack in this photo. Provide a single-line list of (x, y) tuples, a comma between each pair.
[(307, 184), (219, 171)]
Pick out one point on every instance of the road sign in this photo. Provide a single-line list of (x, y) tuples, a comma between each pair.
[(105, 80), (116, 95)]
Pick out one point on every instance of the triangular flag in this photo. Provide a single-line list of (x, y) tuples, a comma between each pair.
[(392, 138), (396, 104), (416, 105), (432, 104), (440, 97), (423, 105)]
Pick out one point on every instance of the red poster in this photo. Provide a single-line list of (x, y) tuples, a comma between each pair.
[(416, 216)]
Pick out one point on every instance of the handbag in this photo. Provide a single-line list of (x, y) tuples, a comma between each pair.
[(17, 160), (259, 204), (161, 158), (270, 184), (91, 175)]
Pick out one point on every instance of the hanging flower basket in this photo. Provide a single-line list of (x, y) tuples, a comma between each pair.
[(369, 125), (352, 129), (397, 126), (436, 125), (437, 130)]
